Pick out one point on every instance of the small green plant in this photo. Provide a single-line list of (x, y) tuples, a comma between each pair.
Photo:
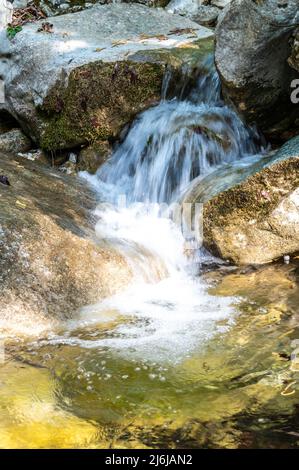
[(12, 31)]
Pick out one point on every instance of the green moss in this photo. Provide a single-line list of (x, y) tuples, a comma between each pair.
[(99, 99)]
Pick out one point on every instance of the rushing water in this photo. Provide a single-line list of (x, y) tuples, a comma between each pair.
[(173, 361), (164, 150)]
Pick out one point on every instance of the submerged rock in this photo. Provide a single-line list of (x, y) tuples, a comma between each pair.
[(14, 141), (50, 264), (252, 49), (86, 79)]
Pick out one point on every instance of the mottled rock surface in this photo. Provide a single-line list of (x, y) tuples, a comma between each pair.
[(14, 141), (251, 213), (252, 50), (257, 221), (50, 262)]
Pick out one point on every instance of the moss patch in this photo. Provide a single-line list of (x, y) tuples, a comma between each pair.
[(99, 99)]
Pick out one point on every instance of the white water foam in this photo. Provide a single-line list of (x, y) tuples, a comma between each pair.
[(166, 311)]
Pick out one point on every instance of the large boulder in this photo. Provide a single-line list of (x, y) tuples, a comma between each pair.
[(251, 212), (50, 262), (61, 7), (252, 50), (83, 78)]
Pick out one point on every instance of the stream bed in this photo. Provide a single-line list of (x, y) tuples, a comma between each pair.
[(239, 389)]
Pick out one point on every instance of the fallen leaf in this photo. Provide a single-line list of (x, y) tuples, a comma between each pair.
[(46, 27)]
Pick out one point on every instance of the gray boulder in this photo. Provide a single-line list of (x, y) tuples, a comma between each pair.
[(252, 48), (251, 213), (95, 71)]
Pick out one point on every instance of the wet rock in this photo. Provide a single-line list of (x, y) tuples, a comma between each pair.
[(252, 48), (14, 141), (50, 263), (69, 168), (244, 226), (36, 155), (92, 157), (87, 79), (252, 217)]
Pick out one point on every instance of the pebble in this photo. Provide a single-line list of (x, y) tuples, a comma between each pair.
[(286, 259)]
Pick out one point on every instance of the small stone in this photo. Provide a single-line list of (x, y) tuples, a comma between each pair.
[(206, 15), (286, 259), (4, 180), (68, 168), (35, 156)]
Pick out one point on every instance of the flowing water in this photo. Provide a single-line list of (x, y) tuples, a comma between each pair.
[(180, 358)]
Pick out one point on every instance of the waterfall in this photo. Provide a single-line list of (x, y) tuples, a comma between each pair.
[(189, 133), (170, 144)]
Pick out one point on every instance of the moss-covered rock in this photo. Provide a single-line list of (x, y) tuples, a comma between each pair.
[(92, 157), (258, 220), (95, 71)]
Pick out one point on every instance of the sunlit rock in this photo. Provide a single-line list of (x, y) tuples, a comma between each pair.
[(94, 71), (50, 265), (252, 49)]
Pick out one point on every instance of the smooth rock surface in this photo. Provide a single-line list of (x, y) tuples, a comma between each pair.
[(50, 262), (87, 79)]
